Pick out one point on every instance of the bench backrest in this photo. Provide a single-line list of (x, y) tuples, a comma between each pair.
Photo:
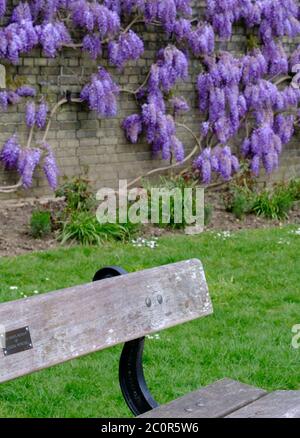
[(52, 328)]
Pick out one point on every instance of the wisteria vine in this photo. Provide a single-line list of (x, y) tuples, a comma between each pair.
[(248, 104)]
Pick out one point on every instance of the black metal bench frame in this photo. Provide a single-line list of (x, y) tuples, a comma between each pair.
[(131, 374)]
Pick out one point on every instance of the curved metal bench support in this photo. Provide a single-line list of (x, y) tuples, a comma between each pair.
[(131, 374)]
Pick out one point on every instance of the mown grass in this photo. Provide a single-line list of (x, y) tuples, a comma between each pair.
[(254, 280)]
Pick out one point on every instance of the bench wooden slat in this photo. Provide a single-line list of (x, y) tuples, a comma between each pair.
[(278, 404), (76, 321), (214, 401)]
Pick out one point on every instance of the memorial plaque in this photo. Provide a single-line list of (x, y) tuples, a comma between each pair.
[(16, 341)]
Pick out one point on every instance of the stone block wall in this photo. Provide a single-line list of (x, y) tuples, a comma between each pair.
[(96, 148)]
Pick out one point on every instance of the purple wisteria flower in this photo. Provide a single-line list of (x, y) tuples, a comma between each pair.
[(219, 160), (165, 11), (202, 40), (295, 58), (13, 97), (254, 67), (95, 17), (28, 160), (47, 9), (52, 36), (276, 58), (10, 152), (203, 164), (26, 91), (205, 128), (50, 168), (101, 94), (275, 18), (264, 148), (182, 29), (178, 149), (41, 115), (233, 89), (3, 100), (179, 105), (279, 18), (171, 66), (133, 127), (284, 127), (2, 7), (92, 44), (17, 38), (161, 132), (21, 12), (128, 47), (30, 115)]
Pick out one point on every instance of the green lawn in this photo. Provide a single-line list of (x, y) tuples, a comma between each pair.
[(254, 280)]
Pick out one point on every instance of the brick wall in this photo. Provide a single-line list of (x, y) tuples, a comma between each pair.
[(97, 148)]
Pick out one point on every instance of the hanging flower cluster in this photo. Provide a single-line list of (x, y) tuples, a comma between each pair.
[(25, 161), (92, 44), (275, 18), (233, 88), (2, 7), (179, 105), (36, 116), (128, 47), (10, 152), (202, 40), (50, 167), (160, 128), (28, 160), (133, 127), (295, 58), (238, 95), (17, 38), (264, 146), (219, 160), (101, 94), (94, 17), (52, 36), (171, 66), (220, 97)]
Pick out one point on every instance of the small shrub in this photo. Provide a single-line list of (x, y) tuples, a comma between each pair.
[(40, 223), (245, 178), (169, 184), (77, 194), (239, 200), (78, 222), (84, 228), (274, 204), (208, 213), (294, 187)]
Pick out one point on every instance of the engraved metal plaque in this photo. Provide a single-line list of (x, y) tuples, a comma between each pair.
[(16, 341)]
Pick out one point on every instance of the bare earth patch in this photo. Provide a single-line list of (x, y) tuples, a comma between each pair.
[(15, 216), (15, 235), (224, 221)]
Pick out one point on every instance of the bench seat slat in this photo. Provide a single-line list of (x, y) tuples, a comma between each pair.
[(76, 321), (279, 404), (214, 401)]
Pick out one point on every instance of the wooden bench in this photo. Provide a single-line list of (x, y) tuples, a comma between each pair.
[(45, 330)]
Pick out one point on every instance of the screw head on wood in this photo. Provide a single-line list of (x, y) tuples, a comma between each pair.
[(148, 302), (159, 299)]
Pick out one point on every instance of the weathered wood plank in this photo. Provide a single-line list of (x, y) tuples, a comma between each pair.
[(82, 319), (278, 404), (213, 401)]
